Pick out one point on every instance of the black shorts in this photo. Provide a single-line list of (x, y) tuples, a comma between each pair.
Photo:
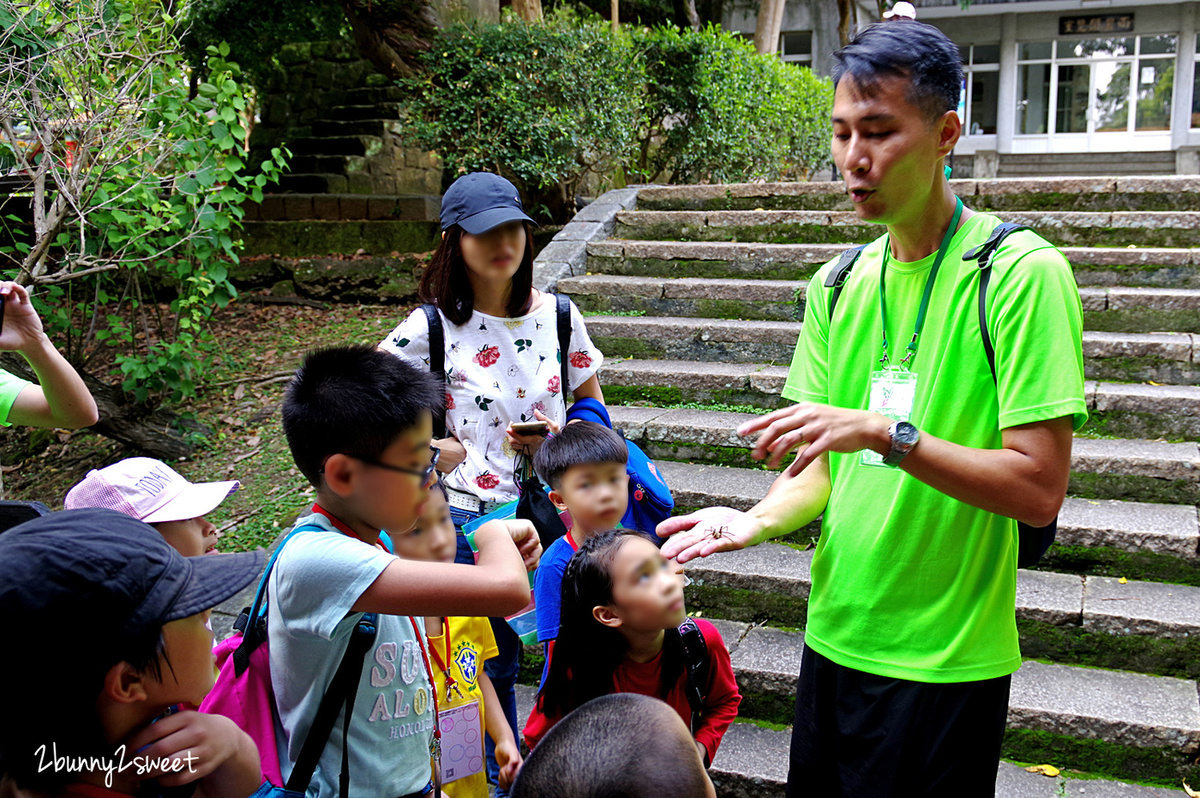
[(857, 734)]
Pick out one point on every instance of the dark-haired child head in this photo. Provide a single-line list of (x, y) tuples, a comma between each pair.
[(584, 465), (359, 422), (894, 121)]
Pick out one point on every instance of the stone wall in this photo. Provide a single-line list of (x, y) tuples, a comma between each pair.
[(338, 116)]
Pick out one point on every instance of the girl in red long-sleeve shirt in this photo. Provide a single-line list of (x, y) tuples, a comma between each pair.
[(622, 604)]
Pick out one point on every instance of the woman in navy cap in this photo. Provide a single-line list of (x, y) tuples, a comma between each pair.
[(503, 367)]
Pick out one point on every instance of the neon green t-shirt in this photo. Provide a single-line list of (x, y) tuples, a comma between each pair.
[(10, 387), (907, 582)]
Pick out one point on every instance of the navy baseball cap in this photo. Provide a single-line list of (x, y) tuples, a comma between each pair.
[(108, 575), (481, 201)]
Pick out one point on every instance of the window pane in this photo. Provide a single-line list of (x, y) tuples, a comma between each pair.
[(987, 54), (1155, 45), (1156, 77), (1112, 96), (985, 88), (1103, 48), (797, 43), (1196, 95), (1033, 89), (1073, 98), (1034, 50)]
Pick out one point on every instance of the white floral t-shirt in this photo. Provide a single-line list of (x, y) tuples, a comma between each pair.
[(498, 371)]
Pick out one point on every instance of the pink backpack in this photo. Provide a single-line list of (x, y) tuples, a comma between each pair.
[(243, 691)]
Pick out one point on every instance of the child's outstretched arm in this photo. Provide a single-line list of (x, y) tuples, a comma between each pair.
[(210, 750), (497, 585), (508, 753)]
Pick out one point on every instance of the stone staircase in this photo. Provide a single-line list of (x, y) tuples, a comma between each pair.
[(697, 299)]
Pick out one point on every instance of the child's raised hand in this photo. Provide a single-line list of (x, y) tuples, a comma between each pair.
[(525, 535), (22, 327), (508, 757), (196, 746)]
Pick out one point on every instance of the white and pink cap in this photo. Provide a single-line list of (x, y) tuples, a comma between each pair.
[(148, 490)]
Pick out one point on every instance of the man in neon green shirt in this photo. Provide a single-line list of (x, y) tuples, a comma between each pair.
[(919, 458), (59, 398)]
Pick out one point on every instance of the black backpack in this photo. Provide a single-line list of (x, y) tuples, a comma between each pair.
[(695, 654), (1032, 542)]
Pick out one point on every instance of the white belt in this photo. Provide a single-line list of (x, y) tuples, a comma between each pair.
[(470, 502)]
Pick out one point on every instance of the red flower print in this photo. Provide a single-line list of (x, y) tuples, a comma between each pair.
[(487, 356), (487, 480), (449, 401), (554, 385), (579, 359)]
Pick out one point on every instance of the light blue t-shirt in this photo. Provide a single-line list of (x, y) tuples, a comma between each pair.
[(317, 579)]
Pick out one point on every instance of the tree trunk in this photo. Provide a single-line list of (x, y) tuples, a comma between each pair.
[(845, 10), (154, 431), (770, 20), (614, 12), (686, 15), (528, 10), (391, 35)]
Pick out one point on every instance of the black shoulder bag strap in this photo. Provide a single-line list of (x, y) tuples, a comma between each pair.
[(1032, 542), (437, 360), (836, 279), (342, 690), (695, 654), (563, 317)]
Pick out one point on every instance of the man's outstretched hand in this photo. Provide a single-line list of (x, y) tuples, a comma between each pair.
[(708, 531)]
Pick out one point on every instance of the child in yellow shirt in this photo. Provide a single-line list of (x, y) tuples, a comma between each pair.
[(458, 647)]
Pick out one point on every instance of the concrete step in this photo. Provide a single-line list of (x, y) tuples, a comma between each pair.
[(1103, 193), (1117, 357), (1106, 309), (337, 145), (387, 110), (1095, 621), (1166, 529), (753, 763), (373, 95), (302, 238), (1128, 410), (1137, 470), (1118, 266), (343, 207), (374, 126), (1064, 228)]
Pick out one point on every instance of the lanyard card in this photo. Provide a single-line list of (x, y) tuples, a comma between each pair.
[(462, 741), (893, 393)]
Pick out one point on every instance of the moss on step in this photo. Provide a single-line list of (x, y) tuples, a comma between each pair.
[(1140, 320), (1141, 566), (1133, 488), (1162, 767)]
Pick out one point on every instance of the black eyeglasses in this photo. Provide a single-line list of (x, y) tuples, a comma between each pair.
[(423, 473)]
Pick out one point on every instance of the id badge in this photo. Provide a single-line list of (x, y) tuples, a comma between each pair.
[(462, 741), (893, 392)]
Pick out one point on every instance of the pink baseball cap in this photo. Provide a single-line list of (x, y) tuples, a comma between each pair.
[(148, 490)]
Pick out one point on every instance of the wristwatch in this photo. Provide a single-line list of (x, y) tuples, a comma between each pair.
[(904, 437)]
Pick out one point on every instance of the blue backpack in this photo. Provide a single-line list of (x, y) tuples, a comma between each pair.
[(650, 500)]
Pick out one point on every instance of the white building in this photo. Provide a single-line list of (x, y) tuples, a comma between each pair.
[(1052, 86)]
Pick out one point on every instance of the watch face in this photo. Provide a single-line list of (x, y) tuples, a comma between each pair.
[(906, 434)]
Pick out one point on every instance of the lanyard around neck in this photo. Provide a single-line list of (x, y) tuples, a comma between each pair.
[(924, 308)]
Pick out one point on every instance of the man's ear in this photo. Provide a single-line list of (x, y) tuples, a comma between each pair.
[(339, 473), (557, 500), (949, 130), (607, 615), (123, 684)]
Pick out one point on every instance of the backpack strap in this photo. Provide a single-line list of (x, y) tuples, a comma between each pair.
[(342, 691), (984, 254), (437, 359), (563, 317), (695, 654), (836, 279)]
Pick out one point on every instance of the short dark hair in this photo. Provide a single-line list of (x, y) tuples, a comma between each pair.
[(909, 49), (619, 744), (446, 284), (354, 400), (579, 443)]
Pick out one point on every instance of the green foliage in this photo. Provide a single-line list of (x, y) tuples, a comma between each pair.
[(547, 103), (255, 30), (150, 193), (717, 111), (542, 103)]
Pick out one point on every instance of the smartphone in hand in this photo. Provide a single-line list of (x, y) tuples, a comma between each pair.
[(530, 427)]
